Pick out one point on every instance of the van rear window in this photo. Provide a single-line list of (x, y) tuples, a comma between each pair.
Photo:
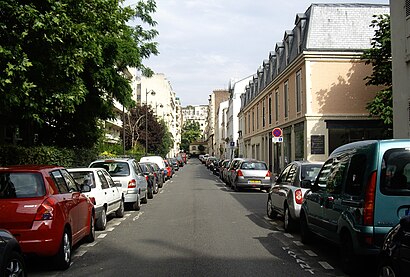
[(21, 185), (395, 173)]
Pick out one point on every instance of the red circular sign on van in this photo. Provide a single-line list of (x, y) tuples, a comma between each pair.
[(277, 132)]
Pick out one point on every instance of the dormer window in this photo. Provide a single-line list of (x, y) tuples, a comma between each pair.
[(278, 50), (287, 41), (300, 23)]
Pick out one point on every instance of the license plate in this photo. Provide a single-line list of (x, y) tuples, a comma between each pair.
[(254, 182)]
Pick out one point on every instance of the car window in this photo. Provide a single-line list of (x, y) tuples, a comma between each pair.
[(84, 178), (104, 183), (337, 174), (21, 185), (114, 168), (253, 166), (395, 173), (108, 178), (292, 173), (355, 176), (309, 171), (69, 181), (137, 168), (59, 180), (282, 176)]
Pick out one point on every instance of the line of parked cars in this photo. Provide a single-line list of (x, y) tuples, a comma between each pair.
[(358, 199), (46, 210)]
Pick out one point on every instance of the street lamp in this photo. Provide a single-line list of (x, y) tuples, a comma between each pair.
[(146, 118)]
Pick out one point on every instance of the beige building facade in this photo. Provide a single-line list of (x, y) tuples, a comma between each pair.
[(311, 88)]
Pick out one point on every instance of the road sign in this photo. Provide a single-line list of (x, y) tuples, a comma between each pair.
[(277, 132), (277, 139)]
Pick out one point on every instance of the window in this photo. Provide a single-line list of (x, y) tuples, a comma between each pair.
[(336, 175), (292, 174), (270, 110), (285, 99), (104, 183), (355, 175), (69, 181), (59, 180), (395, 176), (253, 120), (21, 185), (277, 105), (298, 91), (263, 113), (257, 117)]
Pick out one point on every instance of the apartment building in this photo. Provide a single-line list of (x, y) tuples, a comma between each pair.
[(196, 113), (214, 100), (221, 137), (400, 38), (312, 87)]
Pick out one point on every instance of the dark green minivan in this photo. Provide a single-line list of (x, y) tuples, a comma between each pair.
[(361, 192)]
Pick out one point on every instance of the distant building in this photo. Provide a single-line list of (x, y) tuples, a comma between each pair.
[(198, 147), (196, 113)]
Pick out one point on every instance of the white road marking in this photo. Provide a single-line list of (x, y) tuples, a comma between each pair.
[(311, 253), (325, 265), (109, 229), (288, 235), (80, 253), (137, 216), (127, 214), (90, 244), (298, 243), (102, 236), (122, 219), (116, 223), (280, 229)]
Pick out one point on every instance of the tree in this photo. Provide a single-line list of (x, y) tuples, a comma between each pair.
[(379, 56), (64, 63), (191, 131)]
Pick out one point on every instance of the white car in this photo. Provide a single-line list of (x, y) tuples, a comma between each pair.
[(107, 194)]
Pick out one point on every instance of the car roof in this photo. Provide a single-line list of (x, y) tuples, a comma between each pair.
[(82, 169), (29, 167)]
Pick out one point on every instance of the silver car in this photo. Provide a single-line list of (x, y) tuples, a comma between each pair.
[(286, 195), (128, 172), (251, 174)]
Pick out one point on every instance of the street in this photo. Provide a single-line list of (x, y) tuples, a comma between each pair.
[(196, 226)]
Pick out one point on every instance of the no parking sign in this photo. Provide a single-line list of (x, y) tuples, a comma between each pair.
[(277, 135)]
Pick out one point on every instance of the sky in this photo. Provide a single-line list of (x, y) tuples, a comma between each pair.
[(203, 44)]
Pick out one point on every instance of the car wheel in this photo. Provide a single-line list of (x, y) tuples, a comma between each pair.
[(305, 233), (347, 254), (14, 265), (386, 269), (137, 205), (63, 257), (151, 193), (120, 211), (156, 190), (289, 222), (91, 235), (269, 210), (145, 199), (101, 222)]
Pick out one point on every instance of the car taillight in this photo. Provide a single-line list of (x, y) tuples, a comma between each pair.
[(368, 212), (239, 173), (268, 174), (155, 174), (298, 196), (45, 210), (146, 177), (132, 184)]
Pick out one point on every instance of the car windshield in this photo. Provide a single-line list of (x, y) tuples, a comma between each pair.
[(310, 171), (83, 177), (21, 185), (116, 169), (254, 166)]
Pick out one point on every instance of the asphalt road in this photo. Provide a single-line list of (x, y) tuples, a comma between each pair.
[(196, 226)]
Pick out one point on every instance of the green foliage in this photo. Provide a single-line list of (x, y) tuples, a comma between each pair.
[(14, 155), (379, 56), (191, 131), (63, 63)]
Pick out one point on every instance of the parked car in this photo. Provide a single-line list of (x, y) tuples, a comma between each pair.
[(108, 195), (231, 169), (360, 193), (159, 175), (174, 163), (286, 195), (129, 174), (159, 161), (183, 156), (12, 263), (151, 177), (251, 174), (211, 163), (169, 168), (223, 169), (394, 258), (180, 161), (46, 210)]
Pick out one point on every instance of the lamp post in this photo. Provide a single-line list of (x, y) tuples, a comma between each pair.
[(146, 118)]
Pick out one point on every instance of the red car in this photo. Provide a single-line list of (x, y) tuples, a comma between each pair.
[(168, 167), (45, 209)]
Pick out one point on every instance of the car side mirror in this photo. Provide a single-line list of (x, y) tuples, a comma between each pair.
[(118, 183), (85, 188)]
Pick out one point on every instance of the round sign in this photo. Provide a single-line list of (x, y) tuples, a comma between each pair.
[(277, 132)]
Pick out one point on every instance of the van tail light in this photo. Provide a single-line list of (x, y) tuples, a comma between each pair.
[(45, 210), (368, 212), (132, 184), (268, 174), (298, 196), (239, 173)]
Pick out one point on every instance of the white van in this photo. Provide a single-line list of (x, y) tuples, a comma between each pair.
[(158, 160)]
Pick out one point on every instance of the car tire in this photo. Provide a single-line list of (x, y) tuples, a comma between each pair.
[(156, 190), (136, 206), (14, 265), (289, 222), (151, 193), (348, 257), (386, 269), (91, 235), (269, 210), (101, 222), (145, 199), (305, 233), (120, 211), (63, 257)]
